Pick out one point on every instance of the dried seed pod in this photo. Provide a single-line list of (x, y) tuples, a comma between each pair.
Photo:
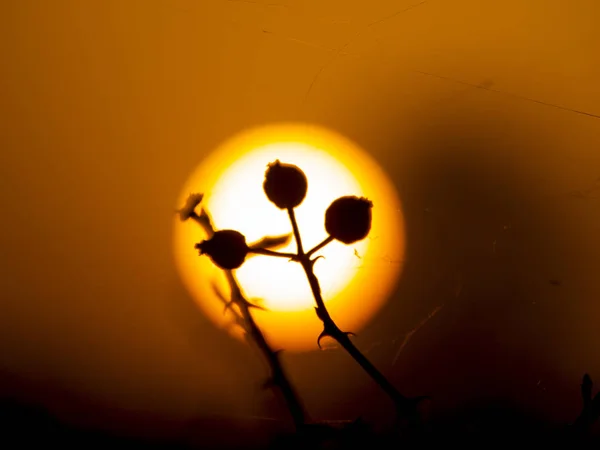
[(348, 219), (226, 248), (191, 203), (285, 185)]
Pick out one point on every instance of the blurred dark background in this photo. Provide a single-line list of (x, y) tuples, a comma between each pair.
[(485, 114)]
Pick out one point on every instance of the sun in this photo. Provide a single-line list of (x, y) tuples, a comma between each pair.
[(355, 279)]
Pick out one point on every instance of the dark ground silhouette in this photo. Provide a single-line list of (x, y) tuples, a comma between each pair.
[(24, 424)]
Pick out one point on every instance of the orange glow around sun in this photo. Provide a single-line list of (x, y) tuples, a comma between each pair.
[(356, 279)]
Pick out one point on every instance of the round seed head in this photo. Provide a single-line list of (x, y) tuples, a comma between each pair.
[(226, 248), (348, 219), (285, 185)]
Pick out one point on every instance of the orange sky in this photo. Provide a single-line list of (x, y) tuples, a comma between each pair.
[(107, 106)]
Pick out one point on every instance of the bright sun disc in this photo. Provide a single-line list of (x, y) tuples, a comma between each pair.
[(355, 279)]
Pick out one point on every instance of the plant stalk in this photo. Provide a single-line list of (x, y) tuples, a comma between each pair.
[(278, 375), (318, 247), (404, 405)]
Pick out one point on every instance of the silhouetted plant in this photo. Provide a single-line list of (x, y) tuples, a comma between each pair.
[(228, 250), (347, 220), (590, 410)]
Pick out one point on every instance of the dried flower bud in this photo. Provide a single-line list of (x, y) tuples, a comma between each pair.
[(191, 203), (348, 219), (285, 185), (226, 248)]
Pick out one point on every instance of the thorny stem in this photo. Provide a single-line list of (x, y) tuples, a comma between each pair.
[(404, 405), (278, 375)]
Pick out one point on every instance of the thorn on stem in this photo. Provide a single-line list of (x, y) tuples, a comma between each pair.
[(228, 306), (313, 261), (228, 303), (252, 305), (323, 334)]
